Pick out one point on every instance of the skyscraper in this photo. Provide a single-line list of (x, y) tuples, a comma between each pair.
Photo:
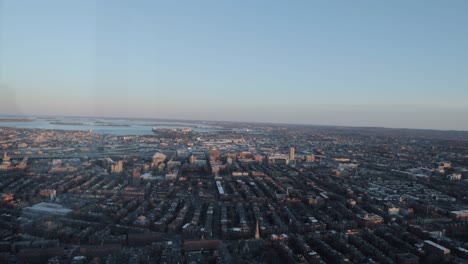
[(117, 168), (291, 153), (257, 231), (136, 177)]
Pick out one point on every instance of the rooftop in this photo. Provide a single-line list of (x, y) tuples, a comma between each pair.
[(49, 208)]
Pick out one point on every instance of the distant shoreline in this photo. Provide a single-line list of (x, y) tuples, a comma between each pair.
[(6, 120), (229, 124), (111, 125), (83, 124), (66, 123), (171, 125)]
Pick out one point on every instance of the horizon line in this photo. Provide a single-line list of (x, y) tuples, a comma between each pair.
[(231, 121)]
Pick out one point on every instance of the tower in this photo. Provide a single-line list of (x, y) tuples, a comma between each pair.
[(5, 157), (117, 168), (136, 176), (257, 231), (192, 159), (292, 153)]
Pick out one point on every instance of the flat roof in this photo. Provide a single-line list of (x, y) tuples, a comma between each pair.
[(460, 212), (49, 208), (437, 245)]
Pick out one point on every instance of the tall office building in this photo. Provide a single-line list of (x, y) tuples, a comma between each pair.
[(136, 177), (6, 159), (117, 168), (192, 159), (291, 153), (5, 162)]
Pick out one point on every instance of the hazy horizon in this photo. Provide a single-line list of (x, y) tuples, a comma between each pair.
[(375, 64), (175, 120)]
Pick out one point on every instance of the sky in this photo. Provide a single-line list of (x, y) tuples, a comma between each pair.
[(352, 63)]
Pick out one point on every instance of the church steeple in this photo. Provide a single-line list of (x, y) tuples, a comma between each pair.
[(257, 231)]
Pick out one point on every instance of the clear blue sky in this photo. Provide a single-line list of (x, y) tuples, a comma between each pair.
[(362, 63)]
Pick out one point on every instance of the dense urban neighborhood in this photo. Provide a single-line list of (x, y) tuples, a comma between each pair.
[(234, 193)]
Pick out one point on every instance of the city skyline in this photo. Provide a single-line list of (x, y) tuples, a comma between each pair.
[(399, 64)]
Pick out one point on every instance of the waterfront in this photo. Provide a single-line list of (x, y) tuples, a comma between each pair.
[(100, 125)]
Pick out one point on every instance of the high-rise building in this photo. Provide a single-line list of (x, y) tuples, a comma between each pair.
[(292, 153), (192, 159), (5, 162), (257, 231), (6, 159), (136, 175), (117, 168)]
